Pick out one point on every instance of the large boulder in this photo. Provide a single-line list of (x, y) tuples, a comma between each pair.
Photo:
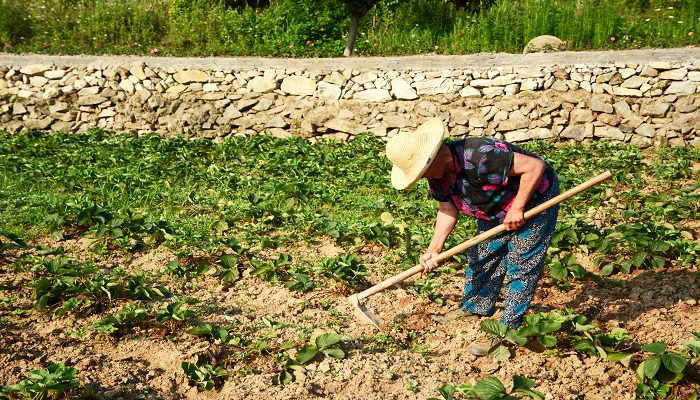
[(545, 44)]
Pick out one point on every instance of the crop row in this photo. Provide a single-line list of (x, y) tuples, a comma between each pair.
[(221, 208)]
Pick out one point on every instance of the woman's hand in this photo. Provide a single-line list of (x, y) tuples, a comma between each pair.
[(514, 219), (428, 265), (446, 220)]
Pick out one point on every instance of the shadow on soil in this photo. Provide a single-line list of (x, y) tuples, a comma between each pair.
[(661, 289)]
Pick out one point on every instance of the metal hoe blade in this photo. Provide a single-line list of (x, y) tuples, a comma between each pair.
[(363, 312)]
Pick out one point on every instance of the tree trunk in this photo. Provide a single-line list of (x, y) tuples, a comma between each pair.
[(352, 34)]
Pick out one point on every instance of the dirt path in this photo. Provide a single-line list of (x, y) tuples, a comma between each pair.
[(426, 62)]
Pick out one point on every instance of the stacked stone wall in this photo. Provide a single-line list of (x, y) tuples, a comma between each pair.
[(653, 103)]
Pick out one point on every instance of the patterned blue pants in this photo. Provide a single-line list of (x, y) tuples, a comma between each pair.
[(519, 255)]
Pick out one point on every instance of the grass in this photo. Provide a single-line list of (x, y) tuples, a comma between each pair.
[(308, 28)]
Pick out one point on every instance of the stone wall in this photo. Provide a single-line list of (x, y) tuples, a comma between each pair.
[(651, 103)]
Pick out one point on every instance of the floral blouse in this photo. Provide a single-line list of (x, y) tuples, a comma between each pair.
[(482, 187)]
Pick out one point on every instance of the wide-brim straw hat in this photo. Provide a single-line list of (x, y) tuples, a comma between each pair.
[(413, 152)]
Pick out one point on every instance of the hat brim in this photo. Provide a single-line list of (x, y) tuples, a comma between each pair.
[(430, 133)]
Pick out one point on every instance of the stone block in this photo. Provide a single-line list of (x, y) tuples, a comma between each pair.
[(608, 132), (674, 74), (681, 88)]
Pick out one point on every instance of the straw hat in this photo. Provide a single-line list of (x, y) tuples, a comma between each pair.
[(412, 153)]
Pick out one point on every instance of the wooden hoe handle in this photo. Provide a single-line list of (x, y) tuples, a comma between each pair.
[(483, 236)]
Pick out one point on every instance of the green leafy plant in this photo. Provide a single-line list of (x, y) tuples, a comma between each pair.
[(574, 232), (203, 375), (648, 245), (218, 335), (412, 386), (565, 267), (491, 388), (181, 268), (427, 288), (56, 378), (345, 269), (601, 344), (271, 270), (326, 343), (299, 283), (138, 290), (13, 238), (73, 305), (693, 346), (501, 337), (174, 312), (657, 371), (447, 392), (228, 265), (541, 326), (567, 329), (64, 278), (126, 315), (378, 232)]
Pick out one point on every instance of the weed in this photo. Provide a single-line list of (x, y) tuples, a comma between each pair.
[(427, 288), (13, 238), (412, 386), (219, 335)]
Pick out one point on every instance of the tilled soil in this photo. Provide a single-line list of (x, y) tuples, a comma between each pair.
[(144, 361)]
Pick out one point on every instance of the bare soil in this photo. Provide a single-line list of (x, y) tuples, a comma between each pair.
[(145, 361)]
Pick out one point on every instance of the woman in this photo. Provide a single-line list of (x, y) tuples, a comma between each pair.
[(495, 182)]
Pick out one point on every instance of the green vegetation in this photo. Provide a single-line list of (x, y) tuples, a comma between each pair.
[(203, 375), (140, 193), (491, 388), (291, 28), (236, 210), (326, 344), (57, 379), (567, 330)]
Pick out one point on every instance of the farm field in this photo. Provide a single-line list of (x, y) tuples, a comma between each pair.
[(152, 268)]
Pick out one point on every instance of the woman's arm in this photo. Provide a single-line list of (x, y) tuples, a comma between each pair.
[(530, 170), (444, 224)]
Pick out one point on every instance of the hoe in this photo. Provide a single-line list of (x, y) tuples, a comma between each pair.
[(367, 316)]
